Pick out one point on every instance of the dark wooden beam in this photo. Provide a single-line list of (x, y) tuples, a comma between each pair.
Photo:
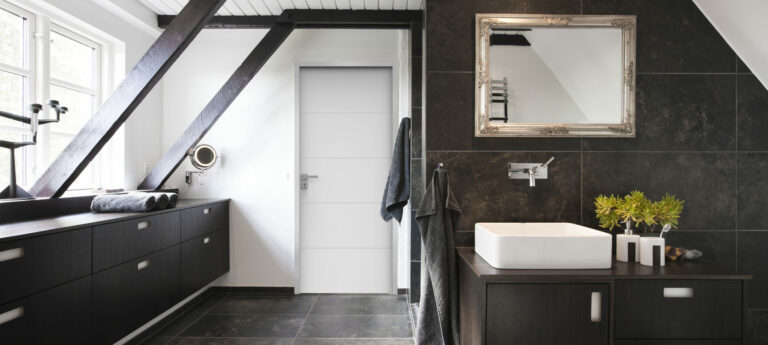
[(218, 104), (126, 97), (314, 19)]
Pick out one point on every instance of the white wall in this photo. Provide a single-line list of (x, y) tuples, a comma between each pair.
[(142, 133), (256, 136)]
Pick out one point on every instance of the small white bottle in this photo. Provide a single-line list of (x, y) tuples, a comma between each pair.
[(628, 245)]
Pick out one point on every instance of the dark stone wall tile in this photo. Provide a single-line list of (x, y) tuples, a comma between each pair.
[(752, 112), (526, 144), (465, 239), (450, 111), (680, 112), (485, 193), (415, 290), (417, 133), (450, 27), (706, 181), (672, 36), (741, 67), (417, 183), (718, 247), (417, 38), (415, 238), (529, 6), (752, 260), (417, 79), (752, 190), (757, 327)]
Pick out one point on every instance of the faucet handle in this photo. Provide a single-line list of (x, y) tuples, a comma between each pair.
[(544, 165)]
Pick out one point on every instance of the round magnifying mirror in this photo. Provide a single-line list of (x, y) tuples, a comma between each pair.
[(203, 157)]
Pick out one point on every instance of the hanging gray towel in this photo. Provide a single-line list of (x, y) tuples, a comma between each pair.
[(398, 188), (438, 214), (133, 202)]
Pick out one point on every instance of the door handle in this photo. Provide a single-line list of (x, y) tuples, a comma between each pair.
[(206, 210), (304, 178), (596, 307), (11, 315), (143, 225), (678, 292), (206, 240), (142, 265), (10, 254)]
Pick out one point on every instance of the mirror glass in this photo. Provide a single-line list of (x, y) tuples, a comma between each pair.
[(547, 76), (203, 157)]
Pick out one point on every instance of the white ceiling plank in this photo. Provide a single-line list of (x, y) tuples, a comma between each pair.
[(357, 4), (173, 5), (151, 6), (371, 4), (233, 8), (400, 4), (343, 4), (315, 4), (386, 4), (300, 4), (274, 7), (328, 4), (287, 4), (260, 7), (246, 7), (414, 4)]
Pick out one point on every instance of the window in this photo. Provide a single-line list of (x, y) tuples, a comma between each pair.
[(42, 60)]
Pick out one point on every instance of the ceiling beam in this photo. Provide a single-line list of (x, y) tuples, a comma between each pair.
[(217, 105), (126, 97), (314, 19)]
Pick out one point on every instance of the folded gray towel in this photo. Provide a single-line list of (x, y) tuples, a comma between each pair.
[(173, 198), (134, 202), (163, 201)]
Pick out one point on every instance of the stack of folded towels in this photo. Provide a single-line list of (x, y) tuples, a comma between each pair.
[(134, 202)]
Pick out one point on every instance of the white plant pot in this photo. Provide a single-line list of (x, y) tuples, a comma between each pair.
[(628, 248), (652, 250)]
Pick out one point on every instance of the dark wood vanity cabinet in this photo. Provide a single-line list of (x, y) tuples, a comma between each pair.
[(629, 304), (97, 282)]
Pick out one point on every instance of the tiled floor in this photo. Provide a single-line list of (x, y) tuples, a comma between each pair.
[(291, 320)]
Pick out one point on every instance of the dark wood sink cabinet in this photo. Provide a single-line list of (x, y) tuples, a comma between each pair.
[(94, 278), (629, 304)]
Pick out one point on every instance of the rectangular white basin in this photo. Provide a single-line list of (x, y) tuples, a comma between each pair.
[(542, 246)]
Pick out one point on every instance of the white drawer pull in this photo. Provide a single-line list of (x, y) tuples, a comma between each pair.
[(11, 315), (678, 292), (597, 306), (206, 240), (143, 225), (142, 265), (10, 254), (206, 210)]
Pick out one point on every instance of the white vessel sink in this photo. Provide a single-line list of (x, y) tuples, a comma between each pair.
[(542, 246)]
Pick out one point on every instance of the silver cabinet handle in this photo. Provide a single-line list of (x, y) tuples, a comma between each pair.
[(678, 292), (206, 240), (10, 254), (596, 308), (206, 210), (143, 225), (142, 265), (11, 315)]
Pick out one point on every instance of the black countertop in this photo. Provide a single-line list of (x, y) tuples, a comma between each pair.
[(619, 270), (19, 230)]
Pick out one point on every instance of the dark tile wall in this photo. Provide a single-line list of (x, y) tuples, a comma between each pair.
[(702, 134), (417, 153)]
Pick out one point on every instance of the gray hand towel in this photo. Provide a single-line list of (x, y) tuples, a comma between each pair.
[(163, 201), (134, 202), (438, 214), (173, 198), (398, 188)]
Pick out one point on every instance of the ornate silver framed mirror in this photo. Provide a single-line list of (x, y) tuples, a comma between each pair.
[(555, 75)]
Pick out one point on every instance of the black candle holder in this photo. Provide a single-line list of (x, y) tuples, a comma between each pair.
[(13, 191)]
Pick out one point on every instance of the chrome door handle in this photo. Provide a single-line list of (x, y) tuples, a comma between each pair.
[(304, 178), (596, 307)]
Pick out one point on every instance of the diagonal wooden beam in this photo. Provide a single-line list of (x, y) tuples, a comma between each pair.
[(218, 104), (124, 100)]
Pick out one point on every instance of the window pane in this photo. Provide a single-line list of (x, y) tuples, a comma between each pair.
[(79, 106), (57, 145), (71, 60), (11, 97), (5, 163), (11, 39)]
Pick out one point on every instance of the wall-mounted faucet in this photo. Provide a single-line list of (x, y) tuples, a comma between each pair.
[(528, 171)]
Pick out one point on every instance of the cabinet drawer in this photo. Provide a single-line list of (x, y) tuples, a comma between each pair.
[(203, 259), (127, 296), (198, 221), (678, 309), (32, 265), (119, 242), (57, 316)]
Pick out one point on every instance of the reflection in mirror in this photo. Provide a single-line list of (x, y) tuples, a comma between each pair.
[(542, 75)]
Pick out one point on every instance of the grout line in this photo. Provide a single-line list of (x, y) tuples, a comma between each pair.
[(205, 312), (736, 168), (317, 297), (581, 181), (686, 73)]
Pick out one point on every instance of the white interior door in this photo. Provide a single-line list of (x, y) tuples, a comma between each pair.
[(346, 131)]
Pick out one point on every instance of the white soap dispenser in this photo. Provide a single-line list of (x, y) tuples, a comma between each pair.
[(628, 245)]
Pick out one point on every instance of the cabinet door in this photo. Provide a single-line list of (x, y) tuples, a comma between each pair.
[(61, 315), (203, 259), (127, 296), (118, 242), (547, 314)]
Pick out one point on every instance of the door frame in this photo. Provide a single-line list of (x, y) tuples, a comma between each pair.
[(394, 67)]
